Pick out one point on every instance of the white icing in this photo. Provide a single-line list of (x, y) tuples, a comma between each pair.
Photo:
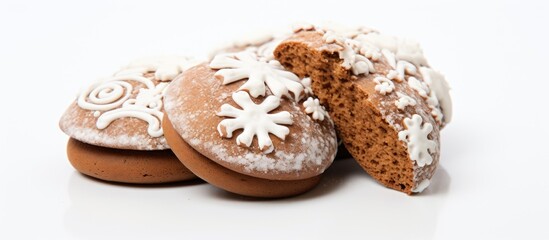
[(147, 106), (357, 63), (313, 107), (435, 111), (262, 41), (298, 27), (306, 82), (113, 98), (350, 53), (266, 50), (404, 49), (420, 87), (253, 38), (431, 98), (343, 30), (110, 98), (254, 119), (379, 40), (404, 101), (165, 68), (415, 136), (331, 37), (390, 57), (368, 50), (107, 95), (384, 85), (246, 65), (440, 90), (402, 67), (409, 50), (421, 186)]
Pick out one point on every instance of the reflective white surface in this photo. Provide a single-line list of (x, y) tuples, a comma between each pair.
[(492, 180), (198, 209)]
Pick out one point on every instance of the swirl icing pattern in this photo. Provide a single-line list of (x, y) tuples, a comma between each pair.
[(111, 99)]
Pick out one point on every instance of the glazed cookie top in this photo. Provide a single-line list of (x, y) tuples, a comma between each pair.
[(244, 111), (124, 110)]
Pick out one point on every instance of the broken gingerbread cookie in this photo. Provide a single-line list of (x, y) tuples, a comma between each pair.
[(387, 103)]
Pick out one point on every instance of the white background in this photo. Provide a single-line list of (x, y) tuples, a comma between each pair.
[(492, 182)]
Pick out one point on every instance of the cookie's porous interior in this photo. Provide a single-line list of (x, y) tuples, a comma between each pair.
[(367, 136)]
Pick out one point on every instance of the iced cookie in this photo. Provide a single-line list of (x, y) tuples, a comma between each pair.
[(255, 127), (115, 125), (388, 105)]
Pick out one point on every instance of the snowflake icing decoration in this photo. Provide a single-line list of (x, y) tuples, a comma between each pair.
[(404, 101), (402, 67), (420, 87), (254, 119), (259, 72), (415, 135), (313, 107), (384, 85)]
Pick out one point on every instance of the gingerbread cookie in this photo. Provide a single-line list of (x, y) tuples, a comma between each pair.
[(256, 128), (115, 125), (388, 105)]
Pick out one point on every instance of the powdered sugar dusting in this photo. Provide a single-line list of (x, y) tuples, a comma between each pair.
[(124, 141), (117, 137), (279, 161), (125, 110), (306, 151)]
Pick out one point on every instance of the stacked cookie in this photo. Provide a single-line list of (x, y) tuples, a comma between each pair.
[(260, 118), (115, 125)]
